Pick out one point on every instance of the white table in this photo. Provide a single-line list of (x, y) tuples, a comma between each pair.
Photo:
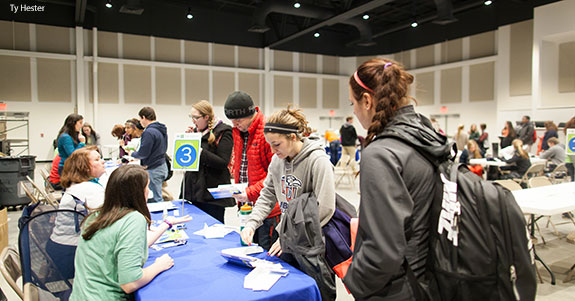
[(547, 200), (497, 162)]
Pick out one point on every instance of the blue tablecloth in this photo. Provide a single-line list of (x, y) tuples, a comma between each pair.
[(201, 273)]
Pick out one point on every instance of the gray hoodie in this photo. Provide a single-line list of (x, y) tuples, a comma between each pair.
[(309, 171)]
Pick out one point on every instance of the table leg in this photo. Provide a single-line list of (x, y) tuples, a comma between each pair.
[(545, 266)]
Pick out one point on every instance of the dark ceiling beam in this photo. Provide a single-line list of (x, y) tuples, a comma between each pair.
[(334, 20), (80, 11)]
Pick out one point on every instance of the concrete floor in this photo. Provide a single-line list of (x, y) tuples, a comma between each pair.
[(556, 252)]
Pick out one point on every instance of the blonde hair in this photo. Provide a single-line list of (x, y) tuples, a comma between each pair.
[(476, 153), (205, 109), (518, 145), (293, 117)]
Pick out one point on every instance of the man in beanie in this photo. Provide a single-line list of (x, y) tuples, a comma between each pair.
[(252, 157)]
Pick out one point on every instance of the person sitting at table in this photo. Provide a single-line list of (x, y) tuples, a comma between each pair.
[(507, 135), (70, 138), (217, 145), (519, 163), (555, 154), (115, 240), (299, 166), (472, 151), (82, 193), (550, 132), (92, 138)]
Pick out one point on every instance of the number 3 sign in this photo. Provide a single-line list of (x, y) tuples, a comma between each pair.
[(186, 152)]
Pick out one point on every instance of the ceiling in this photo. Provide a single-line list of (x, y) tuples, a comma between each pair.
[(279, 25)]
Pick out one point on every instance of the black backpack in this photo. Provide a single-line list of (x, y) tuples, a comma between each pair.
[(484, 251)]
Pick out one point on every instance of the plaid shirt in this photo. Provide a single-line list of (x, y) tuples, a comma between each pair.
[(244, 162)]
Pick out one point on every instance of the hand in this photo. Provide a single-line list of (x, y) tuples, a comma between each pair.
[(190, 129), (81, 138), (247, 235), (164, 262), (276, 249), (178, 220), (241, 197)]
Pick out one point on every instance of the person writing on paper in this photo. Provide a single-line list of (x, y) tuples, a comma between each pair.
[(217, 145), (555, 154), (115, 240), (252, 156), (519, 163), (70, 138), (299, 166), (397, 183), (82, 193)]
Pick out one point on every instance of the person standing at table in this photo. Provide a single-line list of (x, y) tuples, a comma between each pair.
[(348, 137), (152, 152), (483, 141), (134, 130), (252, 156), (120, 133), (70, 138), (507, 135), (299, 166), (525, 132), (519, 163), (217, 145), (474, 133), (460, 138), (397, 183), (115, 241)]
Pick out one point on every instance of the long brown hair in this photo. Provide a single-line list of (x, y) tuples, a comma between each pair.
[(569, 125), (510, 129), (77, 167), (293, 117), (550, 125), (205, 109), (389, 84), (518, 145), (124, 194), (69, 126)]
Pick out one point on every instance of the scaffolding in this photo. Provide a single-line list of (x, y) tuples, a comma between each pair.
[(14, 123)]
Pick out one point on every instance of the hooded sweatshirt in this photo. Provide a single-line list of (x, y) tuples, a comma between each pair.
[(153, 145), (309, 171), (398, 184)]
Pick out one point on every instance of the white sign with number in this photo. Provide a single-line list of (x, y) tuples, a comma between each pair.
[(187, 151)]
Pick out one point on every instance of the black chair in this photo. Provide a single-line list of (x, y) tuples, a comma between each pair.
[(43, 264)]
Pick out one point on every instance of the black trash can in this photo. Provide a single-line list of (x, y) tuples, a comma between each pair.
[(13, 170)]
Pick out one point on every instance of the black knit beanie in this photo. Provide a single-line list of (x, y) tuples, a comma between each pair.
[(239, 105)]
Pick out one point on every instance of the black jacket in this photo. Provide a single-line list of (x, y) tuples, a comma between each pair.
[(521, 164), (348, 135), (213, 170), (398, 184)]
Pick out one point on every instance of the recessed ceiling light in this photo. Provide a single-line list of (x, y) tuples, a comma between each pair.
[(316, 34), (109, 4), (366, 16), (297, 5), (414, 24), (488, 2), (189, 15)]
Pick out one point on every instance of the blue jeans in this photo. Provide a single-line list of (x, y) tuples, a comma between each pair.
[(157, 177)]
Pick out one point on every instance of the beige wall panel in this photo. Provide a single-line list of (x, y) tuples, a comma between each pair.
[(361, 59), (108, 83), (223, 55), (136, 47), (425, 56), (452, 51), (451, 85), (53, 39), (567, 67), (137, 84), (482, 44), (248, 57), (330, 94), (308, 63), (250, 83), (196, 53), (283, 91), (520, 60), (15, 83), (167, 50), (283, 60), (330, 64), (168, 86), (14, 35), (89, 67), (307, 92), (224, 83), (54, 80), (404, 58), (197, 86), (482, 82), (88, 39), (107, 44), (425, 88)]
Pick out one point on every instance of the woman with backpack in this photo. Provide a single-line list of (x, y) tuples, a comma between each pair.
[(217, 145), (397, 183), (519, 163), (115, 241), (300, 177)]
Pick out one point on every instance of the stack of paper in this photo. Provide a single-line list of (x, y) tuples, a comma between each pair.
[(227, 190), (215, 231), (264, 276), (157, 207)]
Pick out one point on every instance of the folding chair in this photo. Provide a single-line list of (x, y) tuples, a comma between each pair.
[(533, 171), (343, 171), (11, 271), (559, 174), (45, 263), (36, 194), (509, 184)]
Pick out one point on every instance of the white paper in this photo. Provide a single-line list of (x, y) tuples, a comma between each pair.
[(227, 190), (157, 207), (215, 231), (262, 278)]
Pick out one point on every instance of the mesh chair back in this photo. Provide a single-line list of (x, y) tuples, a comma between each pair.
[(538, 182), (47, 264), (10, 268)]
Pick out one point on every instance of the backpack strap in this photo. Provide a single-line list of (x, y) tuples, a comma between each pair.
[(84, 212), (418, 291)]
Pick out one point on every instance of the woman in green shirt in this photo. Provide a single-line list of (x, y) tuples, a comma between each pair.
[(114, 248)]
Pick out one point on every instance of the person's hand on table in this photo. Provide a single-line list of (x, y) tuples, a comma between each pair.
[(178, 220), (164, 262), (241, 197), (276, 249), (247, 235)]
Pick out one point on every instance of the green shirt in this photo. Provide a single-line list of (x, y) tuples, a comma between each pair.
[(112, 257)]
